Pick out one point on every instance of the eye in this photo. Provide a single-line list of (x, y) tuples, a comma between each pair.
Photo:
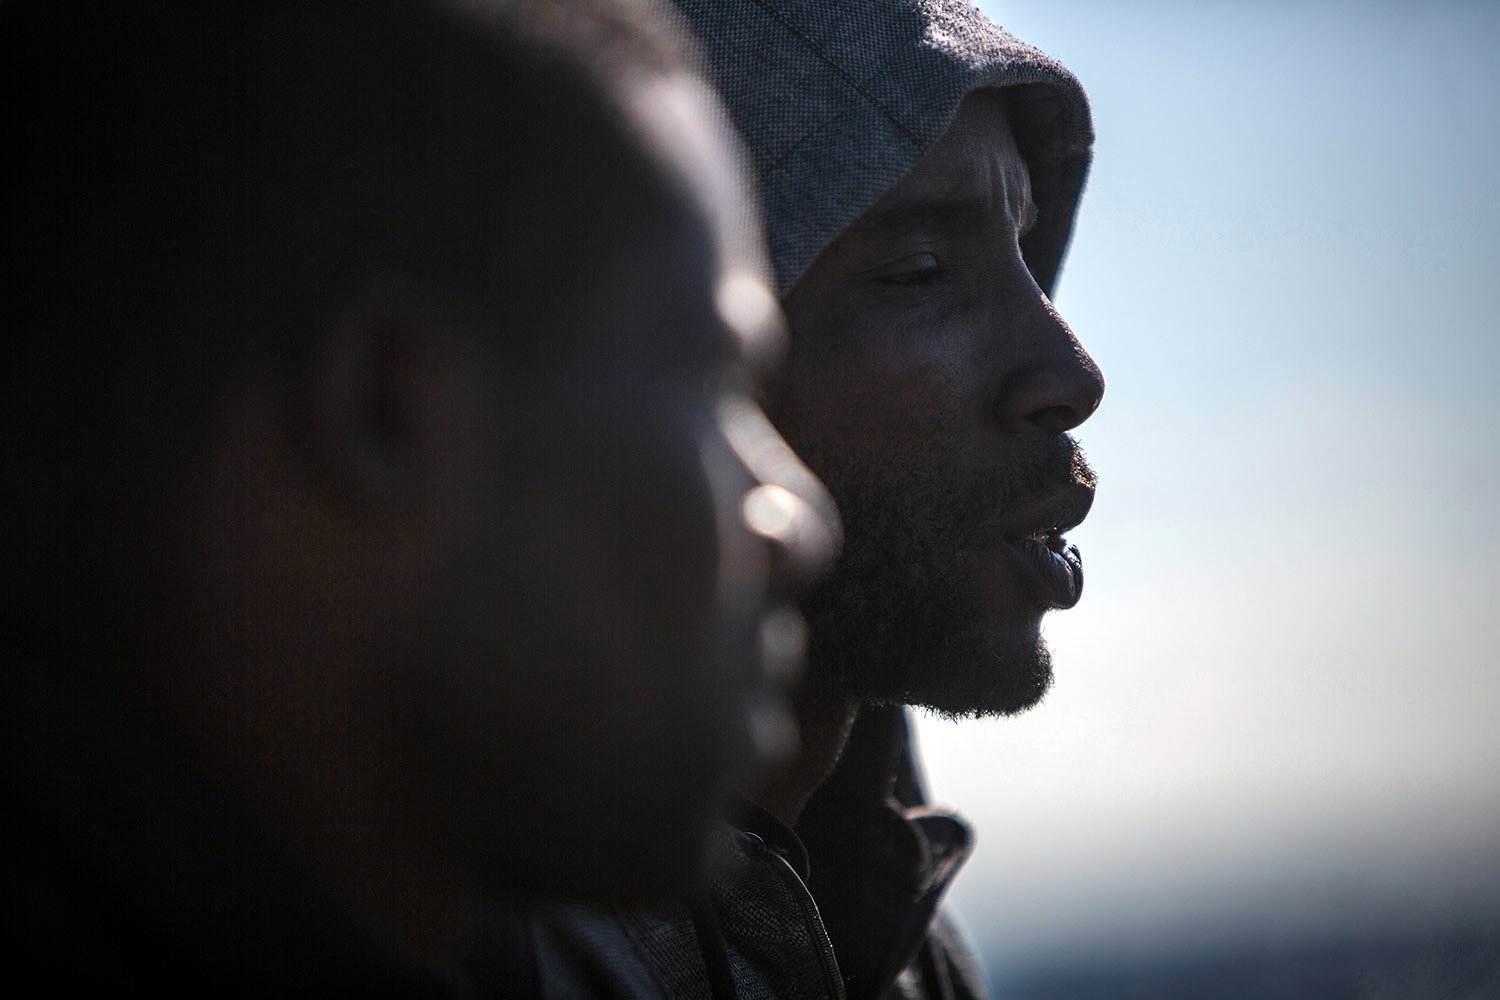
[(917, 269)]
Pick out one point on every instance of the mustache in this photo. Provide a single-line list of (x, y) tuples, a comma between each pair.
[(1053, 466)]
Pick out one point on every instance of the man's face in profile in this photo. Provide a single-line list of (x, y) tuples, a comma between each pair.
[(931, 384)]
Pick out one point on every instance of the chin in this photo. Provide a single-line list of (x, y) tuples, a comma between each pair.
[(932, 620), (956, 669), (980, 672), (997, 678)]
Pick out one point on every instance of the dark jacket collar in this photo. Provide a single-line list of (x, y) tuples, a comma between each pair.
[(751, 818), (880, 858)]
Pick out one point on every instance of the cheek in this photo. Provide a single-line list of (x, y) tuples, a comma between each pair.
[(562, 667), (627, 502), (664, 534), (861, 376), (658, 558), (601, 540), (873, 418)]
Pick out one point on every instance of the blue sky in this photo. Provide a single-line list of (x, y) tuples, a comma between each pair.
[(1276, 708)]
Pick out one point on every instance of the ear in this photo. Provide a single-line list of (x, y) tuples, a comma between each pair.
[(379, 395)]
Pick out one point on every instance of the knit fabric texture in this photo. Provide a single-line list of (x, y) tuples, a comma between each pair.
[(837, 100)]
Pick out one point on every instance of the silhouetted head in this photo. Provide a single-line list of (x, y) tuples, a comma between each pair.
[(379, 424)]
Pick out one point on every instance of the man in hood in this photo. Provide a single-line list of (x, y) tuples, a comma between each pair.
[(919, 169)]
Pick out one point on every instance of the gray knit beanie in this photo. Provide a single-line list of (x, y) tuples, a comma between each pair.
[(837, 100)]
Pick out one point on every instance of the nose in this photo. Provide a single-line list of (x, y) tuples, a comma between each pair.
[(786, 507), (1056, 386)]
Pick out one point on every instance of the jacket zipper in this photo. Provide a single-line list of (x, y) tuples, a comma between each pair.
[(831, 975)]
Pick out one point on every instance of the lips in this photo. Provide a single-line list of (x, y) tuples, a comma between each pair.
[(1049, 562), (1057, 567)]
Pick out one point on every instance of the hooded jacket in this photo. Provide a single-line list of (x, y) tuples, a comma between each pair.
[(845, 906), (835, 101)]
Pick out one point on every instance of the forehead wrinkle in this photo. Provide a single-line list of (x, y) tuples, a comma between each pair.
[(993, 165), (973, 171), (942, 211)]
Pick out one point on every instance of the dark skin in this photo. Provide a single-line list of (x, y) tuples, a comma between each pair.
[(931, 384), (453, 570), (466, 595)]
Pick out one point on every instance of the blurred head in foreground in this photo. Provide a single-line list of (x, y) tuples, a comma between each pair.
[(378, 435)]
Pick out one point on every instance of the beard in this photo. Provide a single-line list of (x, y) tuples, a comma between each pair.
[(908, 615)]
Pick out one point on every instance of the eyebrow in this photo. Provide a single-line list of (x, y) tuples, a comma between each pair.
[(948, 212)]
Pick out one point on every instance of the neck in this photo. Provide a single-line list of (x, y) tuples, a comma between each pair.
[(823, 722)]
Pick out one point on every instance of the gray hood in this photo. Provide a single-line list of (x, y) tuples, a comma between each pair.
[(837, 100)]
